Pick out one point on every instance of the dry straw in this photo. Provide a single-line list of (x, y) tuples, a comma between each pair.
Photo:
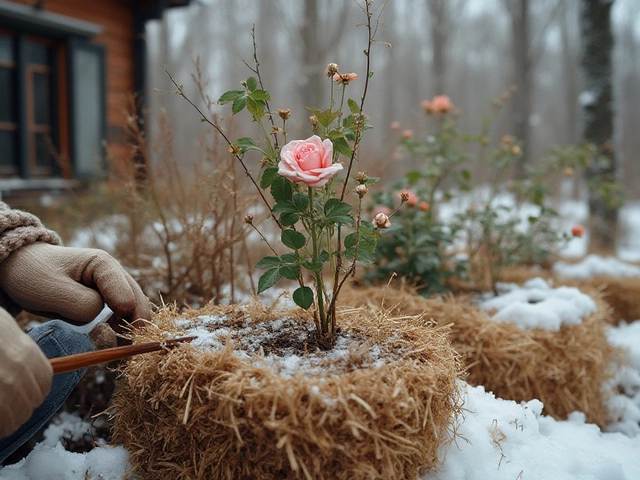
[(566, 370), (196, 414), (620, 293)]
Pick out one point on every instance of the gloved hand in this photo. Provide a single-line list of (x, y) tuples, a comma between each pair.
[(25, 375), (71, 283)]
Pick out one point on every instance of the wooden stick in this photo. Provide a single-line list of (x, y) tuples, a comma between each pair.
[(82, 360)]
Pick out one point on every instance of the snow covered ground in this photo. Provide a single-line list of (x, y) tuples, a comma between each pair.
[(499, 439)]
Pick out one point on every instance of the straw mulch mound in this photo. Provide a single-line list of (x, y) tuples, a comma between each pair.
[(566, 370), (382, 410), (620, 293)]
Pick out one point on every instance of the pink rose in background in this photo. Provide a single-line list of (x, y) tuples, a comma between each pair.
[(381, 209), (410, 197), (407, 134), (308, 161), (441, 104)]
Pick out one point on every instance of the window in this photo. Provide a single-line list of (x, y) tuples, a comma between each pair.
[(52, 105), (8, 121)]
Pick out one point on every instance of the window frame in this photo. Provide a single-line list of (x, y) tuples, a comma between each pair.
[(62, 122)]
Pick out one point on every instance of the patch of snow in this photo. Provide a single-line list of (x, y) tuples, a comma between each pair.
[(536, 305), (55, 463), (594, 266)]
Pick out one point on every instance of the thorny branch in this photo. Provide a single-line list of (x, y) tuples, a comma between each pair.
[(180, 91)]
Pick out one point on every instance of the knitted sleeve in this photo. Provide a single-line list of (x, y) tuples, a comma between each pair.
[(17, 229)]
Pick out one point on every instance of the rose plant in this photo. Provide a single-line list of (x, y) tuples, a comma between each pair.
[(318, 226)]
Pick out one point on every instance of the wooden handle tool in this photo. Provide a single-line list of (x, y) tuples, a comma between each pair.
[(82, 360)]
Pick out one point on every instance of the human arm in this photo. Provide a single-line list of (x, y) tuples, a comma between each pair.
[(25, 375)]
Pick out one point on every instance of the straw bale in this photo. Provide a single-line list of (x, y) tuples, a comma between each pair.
[(620, 293), (201, 414), (566, 370)]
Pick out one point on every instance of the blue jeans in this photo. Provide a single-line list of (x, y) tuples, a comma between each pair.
[(56, 339)]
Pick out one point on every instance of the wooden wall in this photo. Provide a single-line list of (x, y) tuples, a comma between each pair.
[(116, 17)]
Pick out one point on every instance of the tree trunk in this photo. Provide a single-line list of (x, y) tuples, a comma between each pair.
[(520, 30), (439, 35), (597, 103), (312, 54)]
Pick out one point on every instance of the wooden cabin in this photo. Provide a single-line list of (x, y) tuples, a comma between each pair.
[(66, 67)]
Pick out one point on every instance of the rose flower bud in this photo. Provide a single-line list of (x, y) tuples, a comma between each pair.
[(361, 190), (577, 231), (284, 114), (409, 197), (332, 69), (424, 206), (381, 220)]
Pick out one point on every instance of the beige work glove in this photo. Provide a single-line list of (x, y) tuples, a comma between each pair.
[(25, 375), (71, 283)]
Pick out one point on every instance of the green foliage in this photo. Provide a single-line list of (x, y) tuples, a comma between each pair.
[(420, 247), (313, 221)]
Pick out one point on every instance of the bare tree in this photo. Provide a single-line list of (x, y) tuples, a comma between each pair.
[(319, 37), (439, 20), (526, 51), (597, 101)]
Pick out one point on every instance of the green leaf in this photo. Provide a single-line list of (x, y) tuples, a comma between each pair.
[(288, 219), (338, 212), (238, 104), (281, 189), (350, 240), (364, 255), (334, 206), (288, 258), (353, 106), (303, 297), (269, 174), (256, 108), (301, 202), (286, 206), (290, 272), (230, 96), (326, 117), (314, 267), (252, 83), (268, 279), (340, 145), (293, 239), (371, 181), (260, 95), (269, 262), (245, 144), (348, 219)]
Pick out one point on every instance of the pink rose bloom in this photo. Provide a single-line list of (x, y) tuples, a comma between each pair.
[(381, 209), (308, 161), (345, 78), (395, 125), (426, 105), (441, 104), (407, 134)]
